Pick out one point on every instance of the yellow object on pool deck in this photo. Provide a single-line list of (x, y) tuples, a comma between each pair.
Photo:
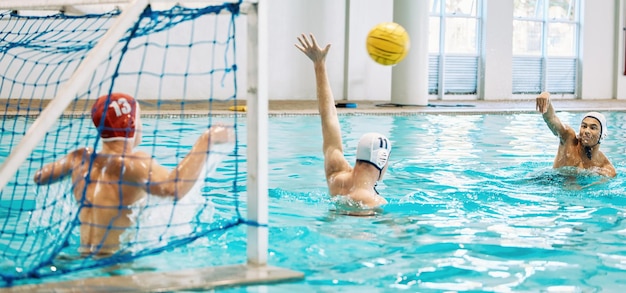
[(237, 108)]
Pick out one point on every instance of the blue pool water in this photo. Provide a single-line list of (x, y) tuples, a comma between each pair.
[(474, 205)]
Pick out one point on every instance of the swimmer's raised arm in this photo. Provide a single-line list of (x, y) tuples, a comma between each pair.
[(334, 160), (544, 106), (358, 183)]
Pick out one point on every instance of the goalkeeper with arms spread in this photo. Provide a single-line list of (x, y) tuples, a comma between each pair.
[(107, 183)]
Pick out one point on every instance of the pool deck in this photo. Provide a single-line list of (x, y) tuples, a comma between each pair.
[(205, 279), (447, 107), (309, 107)]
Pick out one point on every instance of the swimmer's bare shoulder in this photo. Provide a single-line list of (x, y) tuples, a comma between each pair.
[(139, 163), (55, 171), (143, 168), (81, 153)]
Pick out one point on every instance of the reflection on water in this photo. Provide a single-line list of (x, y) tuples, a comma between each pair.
[(474, 205)]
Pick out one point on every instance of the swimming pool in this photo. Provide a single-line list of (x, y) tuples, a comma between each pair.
[(474, 205)]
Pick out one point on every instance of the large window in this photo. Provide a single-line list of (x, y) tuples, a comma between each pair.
[(545, 42), (454, 47)]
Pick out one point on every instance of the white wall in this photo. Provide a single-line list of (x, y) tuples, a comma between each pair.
[(44, 64), (497, 51), (354, 76), (597, 50), (600, 51), (291, 72), (620, 51), (367, 80)]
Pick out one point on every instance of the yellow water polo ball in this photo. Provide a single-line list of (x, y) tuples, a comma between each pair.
[(388, 43)]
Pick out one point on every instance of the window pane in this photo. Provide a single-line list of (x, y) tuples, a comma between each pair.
[(433, 35), (461, 7), (562, 10), (434, 7), (526, 38), (561, 39), (528, 9), (461, 35)]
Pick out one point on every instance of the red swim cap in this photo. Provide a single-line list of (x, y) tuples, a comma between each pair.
[(114, 116)]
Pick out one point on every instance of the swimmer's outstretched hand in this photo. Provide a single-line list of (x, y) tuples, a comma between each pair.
[(219, 134), (543, 101), (312, 49)]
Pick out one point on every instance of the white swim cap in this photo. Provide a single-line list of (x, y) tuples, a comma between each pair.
[(374, 148), (601, 119)]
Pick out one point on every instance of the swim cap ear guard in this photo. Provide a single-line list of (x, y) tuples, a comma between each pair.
[(602, 120), (374, 148)]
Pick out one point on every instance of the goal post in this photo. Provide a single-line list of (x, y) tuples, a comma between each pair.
[(256, 270), (257, 102)]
